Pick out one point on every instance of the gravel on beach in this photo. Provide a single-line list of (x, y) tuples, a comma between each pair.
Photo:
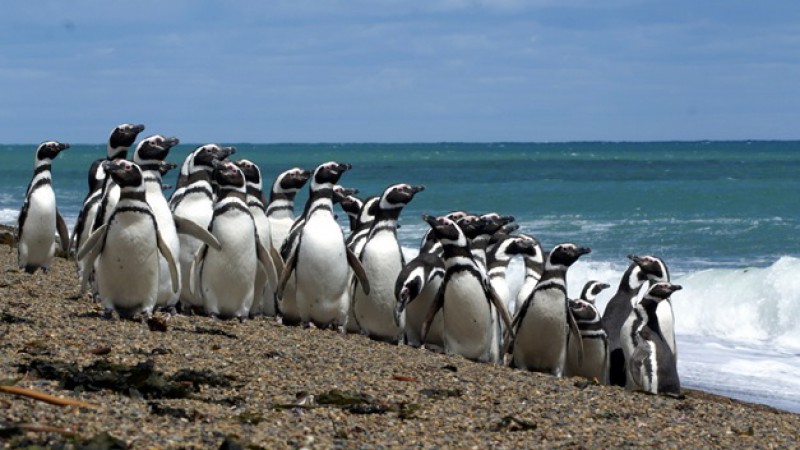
[(196, 382)]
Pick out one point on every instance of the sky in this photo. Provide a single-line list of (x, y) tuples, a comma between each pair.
[(401, 70)]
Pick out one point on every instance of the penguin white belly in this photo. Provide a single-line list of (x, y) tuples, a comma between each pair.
[(199, 209), (228, 275), (500, 286), (279, 229), (594, 359), (415, 316), (37, 242), (541, 340), (468, 325), (322, 273), (666, 321), (382, 263), (166, 227), (524, 292), (127, 268)]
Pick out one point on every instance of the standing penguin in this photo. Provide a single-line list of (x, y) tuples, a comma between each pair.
[(264, 302), (280, 209), (150, 155), (227, 279), (592, 343), (192, 206), (415, 291), (642, 269), (382, 259), (319, 261), (121, 139), (39, 218), (543, 322), (533, 259), (471, 310), (124, 250), (502, 247), (650, 363)]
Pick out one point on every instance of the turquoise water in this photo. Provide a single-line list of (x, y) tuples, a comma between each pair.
[(725, 216), (696, 204)]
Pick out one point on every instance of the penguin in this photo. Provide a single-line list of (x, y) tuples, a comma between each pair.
[(542, 324), (192, 208), (533, 258), (618, 309), (480, 235), (592, 343), (415, 291), (120, 140), (352, 205), (471, 310), (39, 219), (355, 242), (429, 243), (650, 363), (501, 248), (319, 261), (124, 250), (280, 209), (264, 302), (150, 154), (228, 279), (382, 259)]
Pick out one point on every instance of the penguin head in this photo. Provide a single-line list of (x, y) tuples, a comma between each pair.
[(445, 230), (48, 150), (291, 180), (455, 216), (154, 149), (471, 225), (398, 195), (526, 245), (340, 193), (124, 173), (652, 267), (662, 290), (228, 174), (164, 167), (328, 174), (203, 157), (582, 309), (491, 222), (352, 205), (591, 289), (121, 138), (564, 255), (251, 171)]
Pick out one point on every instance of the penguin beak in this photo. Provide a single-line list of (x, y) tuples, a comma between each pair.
[(603, 286), (417, 189), (225, 152), (344, 167), (430, 220), (171, 142), (138, 128), (637, 259), (675, 287), (583, 251), (62, 146)]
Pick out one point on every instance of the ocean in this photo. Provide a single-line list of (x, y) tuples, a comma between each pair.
[(725, 217)]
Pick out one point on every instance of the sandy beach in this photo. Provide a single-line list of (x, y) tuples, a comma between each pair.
[(195, 382)]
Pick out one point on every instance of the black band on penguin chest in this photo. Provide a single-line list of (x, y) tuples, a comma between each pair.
[(229, 207)]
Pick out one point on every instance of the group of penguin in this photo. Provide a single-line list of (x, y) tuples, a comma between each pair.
[(219, 246)]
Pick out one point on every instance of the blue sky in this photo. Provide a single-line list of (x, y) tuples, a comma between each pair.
[(401, 71)]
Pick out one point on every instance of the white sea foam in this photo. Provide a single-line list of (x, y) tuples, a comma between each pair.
[(8, 216)]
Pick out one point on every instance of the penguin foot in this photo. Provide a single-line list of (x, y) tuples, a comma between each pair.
[(242, 319), (172, 311), (108, 314)]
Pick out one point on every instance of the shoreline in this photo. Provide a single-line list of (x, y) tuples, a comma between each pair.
[(274, 386)]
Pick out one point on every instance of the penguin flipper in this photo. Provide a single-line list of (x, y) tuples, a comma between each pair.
[(636, 368), (358, 270), (501, 307), (267, 262), (173, 268), (23, 215), (194, 270), (575, 333), (186, 226), (291, 262), (63, 233), (95, 238)]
